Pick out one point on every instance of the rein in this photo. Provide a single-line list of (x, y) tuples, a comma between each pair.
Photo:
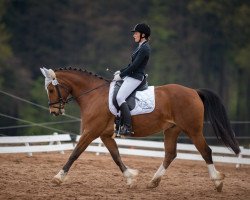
[(61, 101), (91, 90)]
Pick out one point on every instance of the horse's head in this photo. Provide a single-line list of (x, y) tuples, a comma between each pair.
[(57, 92)]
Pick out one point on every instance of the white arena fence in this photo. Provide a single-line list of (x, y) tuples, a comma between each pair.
[(63, 142)]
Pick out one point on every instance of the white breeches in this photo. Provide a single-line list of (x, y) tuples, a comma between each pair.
[(128, 86)]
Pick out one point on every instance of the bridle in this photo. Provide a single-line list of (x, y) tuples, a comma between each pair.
[(61, 101)]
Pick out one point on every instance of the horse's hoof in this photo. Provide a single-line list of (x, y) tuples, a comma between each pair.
[(132, 185), (154, 183), (218, 185), (218, 182), (131, 175), (56, 181), (60, 177)]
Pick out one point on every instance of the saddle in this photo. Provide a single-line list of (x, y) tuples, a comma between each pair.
[(131, 98)]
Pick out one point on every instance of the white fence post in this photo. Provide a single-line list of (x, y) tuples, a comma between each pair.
[(239, 157), (238, 164), (27, 145), (58, 143), (98, 153)]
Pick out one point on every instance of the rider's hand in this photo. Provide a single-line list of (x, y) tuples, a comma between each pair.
[(117, 72), (117, 77)]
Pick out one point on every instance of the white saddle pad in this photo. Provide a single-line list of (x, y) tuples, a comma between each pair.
[(144, 103)]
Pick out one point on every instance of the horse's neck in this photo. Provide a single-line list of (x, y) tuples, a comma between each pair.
[(91, 103), (81, 83)]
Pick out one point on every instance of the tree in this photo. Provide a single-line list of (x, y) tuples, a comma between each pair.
[(13, 78), (194, 43)]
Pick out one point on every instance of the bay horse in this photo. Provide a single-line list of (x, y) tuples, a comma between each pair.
[(177, 109)]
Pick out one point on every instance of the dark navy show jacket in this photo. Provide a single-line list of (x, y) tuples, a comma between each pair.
[(136, 69)]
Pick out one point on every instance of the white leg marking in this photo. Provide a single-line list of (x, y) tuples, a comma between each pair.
[(160, 172), (130, 175), (213, 173), (157, 177), (216, 177), (59, 178)]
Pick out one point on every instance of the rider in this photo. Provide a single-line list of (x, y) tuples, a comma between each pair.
[(133, 74)]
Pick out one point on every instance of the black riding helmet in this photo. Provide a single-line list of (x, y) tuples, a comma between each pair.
[(142, 28)]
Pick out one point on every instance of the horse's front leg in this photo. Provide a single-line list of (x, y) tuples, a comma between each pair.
[(129, 174), (83, 143)]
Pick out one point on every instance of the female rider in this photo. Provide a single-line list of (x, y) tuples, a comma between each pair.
[(133, 74)]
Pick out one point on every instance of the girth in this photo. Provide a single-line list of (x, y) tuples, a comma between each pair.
[(131, 98)]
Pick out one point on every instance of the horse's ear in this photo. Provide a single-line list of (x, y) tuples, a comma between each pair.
[(52, 73), (43, 72), (46, 73)]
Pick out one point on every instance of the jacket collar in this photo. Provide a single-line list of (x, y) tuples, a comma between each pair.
[(143, 43), (137, 49)]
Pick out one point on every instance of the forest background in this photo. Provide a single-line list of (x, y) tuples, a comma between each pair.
[(196, 43)]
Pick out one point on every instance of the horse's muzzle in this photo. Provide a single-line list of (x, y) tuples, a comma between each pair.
[(57, 112), (54, 113)]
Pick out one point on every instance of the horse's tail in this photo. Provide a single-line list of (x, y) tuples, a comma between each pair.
[(215, 112)]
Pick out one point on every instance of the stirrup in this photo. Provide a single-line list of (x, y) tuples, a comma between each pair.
[(117, 127), (121, 132), (126, 131), (117, 133)]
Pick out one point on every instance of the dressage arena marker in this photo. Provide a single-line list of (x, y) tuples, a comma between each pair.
[(63, 142)]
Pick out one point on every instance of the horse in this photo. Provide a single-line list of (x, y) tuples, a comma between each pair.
[(177, 109)]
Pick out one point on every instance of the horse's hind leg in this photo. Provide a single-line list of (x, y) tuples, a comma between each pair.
[(170, 141), (129, 174), (200, 143)]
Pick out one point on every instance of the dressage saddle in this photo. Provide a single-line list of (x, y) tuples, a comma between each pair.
[(131, 98)]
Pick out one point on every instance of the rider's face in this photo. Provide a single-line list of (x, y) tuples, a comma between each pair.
[(137, 36)]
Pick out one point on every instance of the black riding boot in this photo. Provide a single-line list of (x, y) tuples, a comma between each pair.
[(126, 129)]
